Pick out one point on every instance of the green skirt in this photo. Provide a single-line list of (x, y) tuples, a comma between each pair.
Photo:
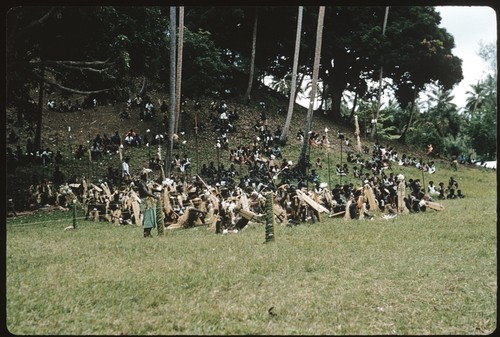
[(148, 210)]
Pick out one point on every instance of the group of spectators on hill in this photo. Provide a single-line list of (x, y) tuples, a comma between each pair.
[(70, 106), (266, 166)]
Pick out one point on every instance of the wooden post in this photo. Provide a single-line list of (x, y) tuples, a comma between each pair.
[(197, 148), (159, 215), (270, 228), (358, 140), (74, 214), (401, 194)]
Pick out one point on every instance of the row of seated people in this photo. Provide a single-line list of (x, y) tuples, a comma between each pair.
[(70, 106)]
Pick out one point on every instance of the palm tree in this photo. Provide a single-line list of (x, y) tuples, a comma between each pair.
[(479, 94), (387, 121), (282, 85), (374, 129), (314, 86), (252, 60), (475, 95), (293, 84), (179, 68), (443, 112), (319, 91), (171, 122)]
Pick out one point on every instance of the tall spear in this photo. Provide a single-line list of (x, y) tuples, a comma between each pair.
[(69, 142), (423, 179), (148, 144), (161, 165), (196, 135), (328, 156)]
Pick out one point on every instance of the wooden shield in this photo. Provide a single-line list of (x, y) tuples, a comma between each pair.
[(174, 226), (347, 215), (117, 213), (371, 198), (97, 188), (243, 202), (434, 205), (85, 187), (401, 195), (106, 190), (136, 208), (318, 207), (182, 221), (280, 214), (249, 215)]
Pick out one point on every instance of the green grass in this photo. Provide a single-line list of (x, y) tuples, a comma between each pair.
[(427, 273)]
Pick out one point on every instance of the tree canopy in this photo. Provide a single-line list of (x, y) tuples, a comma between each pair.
[(47, 48)]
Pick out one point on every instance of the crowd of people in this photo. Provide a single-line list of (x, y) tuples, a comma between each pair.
[(215, 198), (70, 106), (261, 167)]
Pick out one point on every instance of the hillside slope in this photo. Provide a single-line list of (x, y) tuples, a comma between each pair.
[(82, 126), (65, 131)]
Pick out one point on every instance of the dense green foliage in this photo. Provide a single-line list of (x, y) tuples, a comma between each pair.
[(481, 118), (123, 49)]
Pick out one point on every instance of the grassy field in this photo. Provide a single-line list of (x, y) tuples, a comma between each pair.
[(427, 273)]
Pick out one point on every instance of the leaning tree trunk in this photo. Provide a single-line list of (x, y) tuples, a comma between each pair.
[(179, 67), (171, 122), (354, 104), (317, 55), (375, 116), (293, 85), (252, 60), (143, 87), (299, 86)]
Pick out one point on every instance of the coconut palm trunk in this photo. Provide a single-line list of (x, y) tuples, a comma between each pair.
[(171, 122), (252, 60), (317, 56), (179, 68), (293, 86), (374, 128)]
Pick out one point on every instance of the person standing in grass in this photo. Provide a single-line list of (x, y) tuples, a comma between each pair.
[(148, 206)]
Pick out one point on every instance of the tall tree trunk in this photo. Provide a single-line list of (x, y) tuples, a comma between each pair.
[(298, 86), (317, 55), (354, 103), (171, 122), (374, 128), (336, 93), (179, 67), (143, 88), (412, 111), (252, 60), (293, 85), (37, 142)]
